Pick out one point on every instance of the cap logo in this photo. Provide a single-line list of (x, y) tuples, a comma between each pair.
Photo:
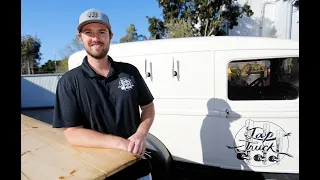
[(93, 14)]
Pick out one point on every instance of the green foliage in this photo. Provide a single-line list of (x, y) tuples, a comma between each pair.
[(208, 17), (156, 28), (51, 66), (63, 65), (48, 67), (235, 73), (132, 35), (30, 53), (179, 28)]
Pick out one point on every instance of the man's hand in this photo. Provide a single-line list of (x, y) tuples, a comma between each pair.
[(137, 143), (123, 144)]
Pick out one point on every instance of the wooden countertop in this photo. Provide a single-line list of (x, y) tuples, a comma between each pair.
[(46, 154)]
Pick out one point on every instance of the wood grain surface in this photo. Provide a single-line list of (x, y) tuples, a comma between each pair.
[(46, 154)]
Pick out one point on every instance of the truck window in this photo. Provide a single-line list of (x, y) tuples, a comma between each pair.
[(264, 79)]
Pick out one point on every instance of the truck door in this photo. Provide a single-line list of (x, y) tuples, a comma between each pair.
[(183, 87), (259, 109)]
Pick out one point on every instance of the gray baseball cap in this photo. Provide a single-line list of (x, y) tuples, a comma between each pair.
[(93, 16)]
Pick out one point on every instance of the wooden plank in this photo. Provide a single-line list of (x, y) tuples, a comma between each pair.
[(23, 177), (51, 136), (45, 162), (104, 159), (47, 147)]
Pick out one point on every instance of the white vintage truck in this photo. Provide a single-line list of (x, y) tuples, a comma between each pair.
[(222, 102)]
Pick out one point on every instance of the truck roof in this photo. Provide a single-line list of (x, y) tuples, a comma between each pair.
[(192, 44), (200, 44)]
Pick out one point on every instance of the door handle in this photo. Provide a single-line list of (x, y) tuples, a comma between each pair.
[(176, 72), (148, 74)]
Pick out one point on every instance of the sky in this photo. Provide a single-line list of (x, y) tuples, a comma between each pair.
[(55, 22)]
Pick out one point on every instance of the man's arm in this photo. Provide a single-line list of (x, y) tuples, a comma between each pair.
[(147, 117), (79, 136), (145, 100), (137, 143)]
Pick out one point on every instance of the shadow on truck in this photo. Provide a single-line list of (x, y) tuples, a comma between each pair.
[(188, 171)]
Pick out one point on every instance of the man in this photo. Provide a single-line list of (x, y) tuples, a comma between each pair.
[(98, 102)]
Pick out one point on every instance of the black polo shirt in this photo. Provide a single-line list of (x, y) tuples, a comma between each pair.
[(109, 105)]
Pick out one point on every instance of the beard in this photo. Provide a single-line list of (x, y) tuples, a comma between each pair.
[(97, 54)]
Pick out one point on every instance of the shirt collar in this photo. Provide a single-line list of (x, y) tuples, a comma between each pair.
[(90, 73)]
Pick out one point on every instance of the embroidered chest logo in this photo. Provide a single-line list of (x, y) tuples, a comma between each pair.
[(125, 84)]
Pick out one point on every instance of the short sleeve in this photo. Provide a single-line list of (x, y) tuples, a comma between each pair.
[(66, 110), (144, 94)]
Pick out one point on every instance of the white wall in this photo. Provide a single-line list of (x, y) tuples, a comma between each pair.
[(38, 90)]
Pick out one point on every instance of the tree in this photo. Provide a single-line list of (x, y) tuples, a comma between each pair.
[(132, 35), (207, 17), (63, 65), (52, 66), (30, 53), (156, 28), (48, 67), (75, 46), (179, 28)]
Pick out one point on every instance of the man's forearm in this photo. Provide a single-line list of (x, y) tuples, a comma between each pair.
[(79, 136), (147, 117)]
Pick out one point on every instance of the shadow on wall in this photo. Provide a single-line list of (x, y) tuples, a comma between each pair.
[(34, 96), (221, 148), (250, 27), (36, 101)]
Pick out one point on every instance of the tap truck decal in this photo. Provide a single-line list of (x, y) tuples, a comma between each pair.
[(261, 143)]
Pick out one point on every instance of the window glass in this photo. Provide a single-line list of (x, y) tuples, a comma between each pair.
[(264, 79)]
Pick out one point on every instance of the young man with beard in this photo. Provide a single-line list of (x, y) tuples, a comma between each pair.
[(98, 102)]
